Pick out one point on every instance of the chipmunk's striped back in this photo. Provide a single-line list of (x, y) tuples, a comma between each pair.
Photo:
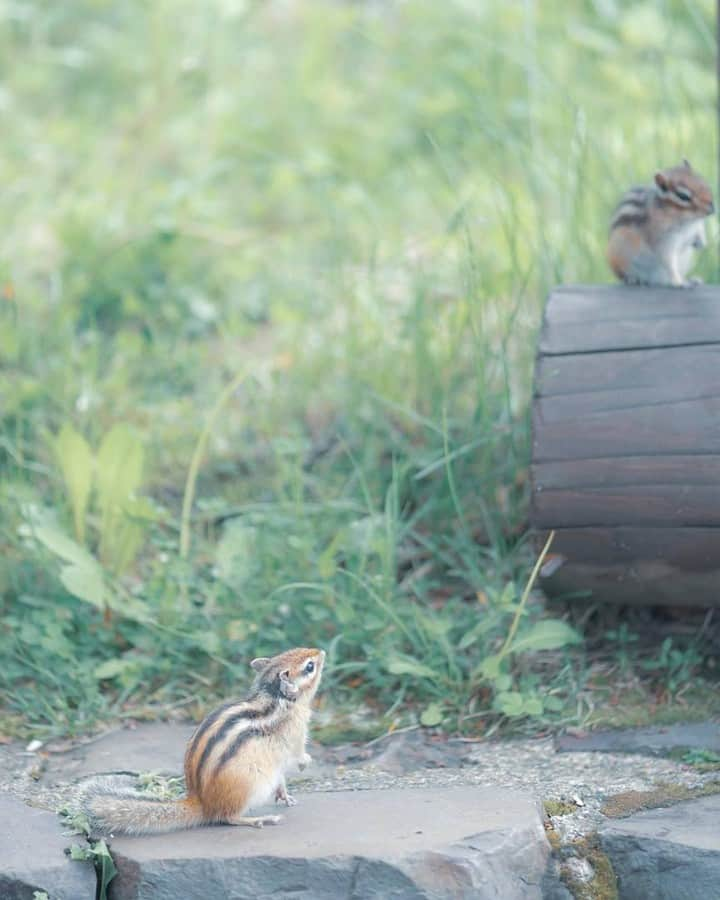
[(222, 734), (633, 208)]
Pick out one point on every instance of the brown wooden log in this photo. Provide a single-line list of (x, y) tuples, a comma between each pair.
[(626, 443), (590, 319), (638, 565)]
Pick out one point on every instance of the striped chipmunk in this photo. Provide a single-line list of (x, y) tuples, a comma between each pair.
[(656, 228), (236, 759)]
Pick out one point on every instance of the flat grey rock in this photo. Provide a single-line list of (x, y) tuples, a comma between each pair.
[(32, 856), (149, 747), (667, 854), (662, 739), (152, 747), (469, 842)]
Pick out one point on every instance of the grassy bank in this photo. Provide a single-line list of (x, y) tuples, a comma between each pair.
[(272, 272)]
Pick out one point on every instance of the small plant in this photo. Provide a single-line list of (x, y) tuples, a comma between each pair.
[(107, 532), (98, 854), (115, 475), (95, 851), (503, 618), (673, 666), (624, 642), (545, 634), (702, 759)]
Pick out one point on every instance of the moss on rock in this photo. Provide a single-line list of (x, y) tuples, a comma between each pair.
[(665, 794), (602, 884), (559, 807)]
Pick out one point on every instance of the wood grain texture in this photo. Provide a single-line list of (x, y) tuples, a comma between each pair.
[(617, 471), (675, 505), (616, 378), (681, 548), (645, 566), (688, 428), (595, 318), (626, 443)]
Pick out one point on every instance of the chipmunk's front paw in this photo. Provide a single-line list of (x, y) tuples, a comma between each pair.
[(282, 796), (694, 282), (304, 761)]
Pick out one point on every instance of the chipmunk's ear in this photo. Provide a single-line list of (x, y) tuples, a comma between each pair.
[(260, 663), (287, 688), (661, 181), (687, 164)]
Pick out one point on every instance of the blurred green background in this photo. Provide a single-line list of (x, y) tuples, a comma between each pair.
[(270, 279)]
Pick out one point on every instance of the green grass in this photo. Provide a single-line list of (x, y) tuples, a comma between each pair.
[(355, 210)]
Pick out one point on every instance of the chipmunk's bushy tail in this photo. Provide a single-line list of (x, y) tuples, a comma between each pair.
[(112, 807)]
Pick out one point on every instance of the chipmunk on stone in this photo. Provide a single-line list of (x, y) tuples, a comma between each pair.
[(236, 759), (656, 228)]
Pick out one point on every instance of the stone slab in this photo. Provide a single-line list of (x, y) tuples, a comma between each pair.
[(650, 741), (32, 856), (469, 842), (151, 747), (667, 854)]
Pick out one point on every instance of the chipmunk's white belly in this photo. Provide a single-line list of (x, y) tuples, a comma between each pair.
[(264, 787), (691, 234), (680, 246)]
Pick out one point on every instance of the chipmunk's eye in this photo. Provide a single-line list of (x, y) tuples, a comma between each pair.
[(684, 195), (310, 667)]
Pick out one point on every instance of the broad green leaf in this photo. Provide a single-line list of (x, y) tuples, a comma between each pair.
[(326, 560), (547, 634), (489, 667), (105, 867), (141, 509), (111, 668), (61, 545), (118, 476), (488, 621), (408, 666), (129, 607), (510, 703), (76, 462), (468, 639), (86, 583), (552, 703), (506, 600), (126, 541), (119, 467), (434, 626), (128, 530), (235, 553), (431, 715), (533, 705)]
